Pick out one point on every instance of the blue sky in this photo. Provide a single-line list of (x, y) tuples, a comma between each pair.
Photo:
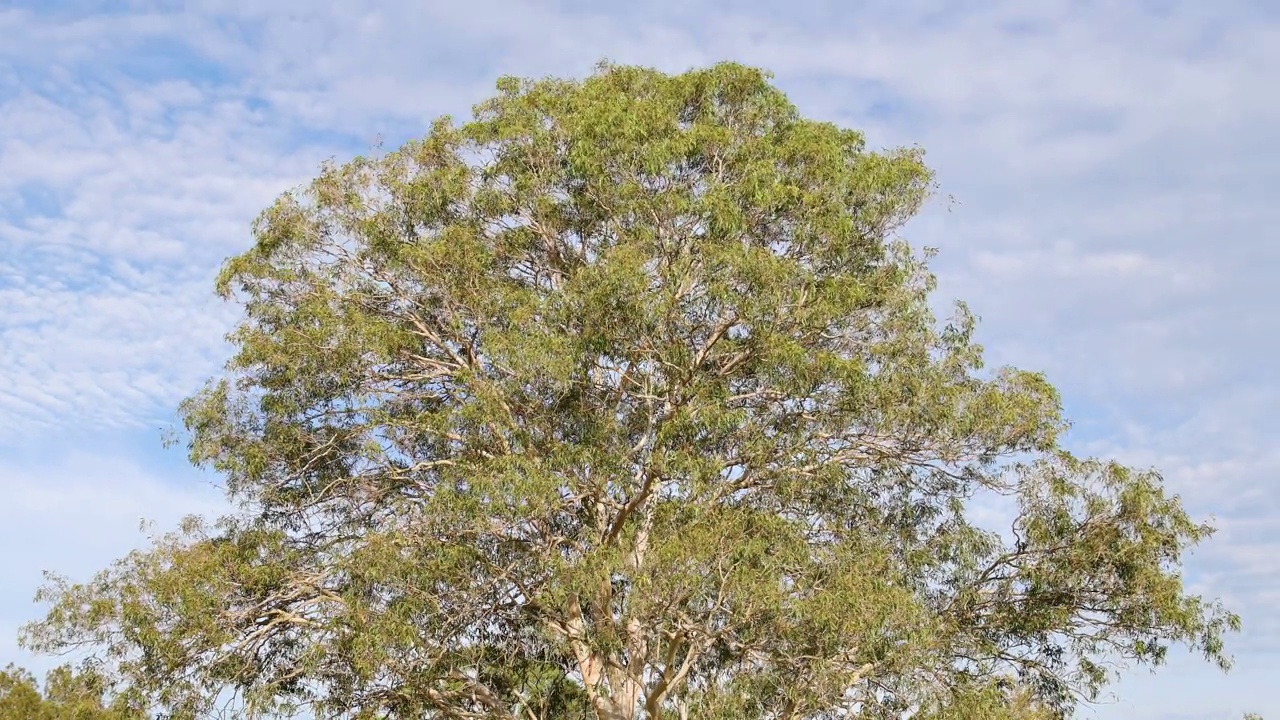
[(1114, 168)]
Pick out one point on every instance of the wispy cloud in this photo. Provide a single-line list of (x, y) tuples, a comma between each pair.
[(1113, 165)]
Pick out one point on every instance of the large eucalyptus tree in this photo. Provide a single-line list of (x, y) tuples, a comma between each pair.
[(624, 400)]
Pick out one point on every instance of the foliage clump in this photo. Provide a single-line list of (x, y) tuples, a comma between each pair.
[(68, 694)]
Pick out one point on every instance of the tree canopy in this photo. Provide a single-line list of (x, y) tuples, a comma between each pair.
[(624, 399), (68, 694)]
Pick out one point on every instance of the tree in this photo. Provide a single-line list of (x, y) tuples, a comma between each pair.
[(69, 694), (623, 399)]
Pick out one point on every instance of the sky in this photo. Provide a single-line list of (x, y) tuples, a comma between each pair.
[(1107, 173)]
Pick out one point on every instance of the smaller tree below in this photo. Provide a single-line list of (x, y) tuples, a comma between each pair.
[(68, 694)]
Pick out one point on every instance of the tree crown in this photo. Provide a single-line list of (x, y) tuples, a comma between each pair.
[(623, 399)]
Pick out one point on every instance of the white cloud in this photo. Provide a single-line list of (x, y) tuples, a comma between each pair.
[(107, 306)]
